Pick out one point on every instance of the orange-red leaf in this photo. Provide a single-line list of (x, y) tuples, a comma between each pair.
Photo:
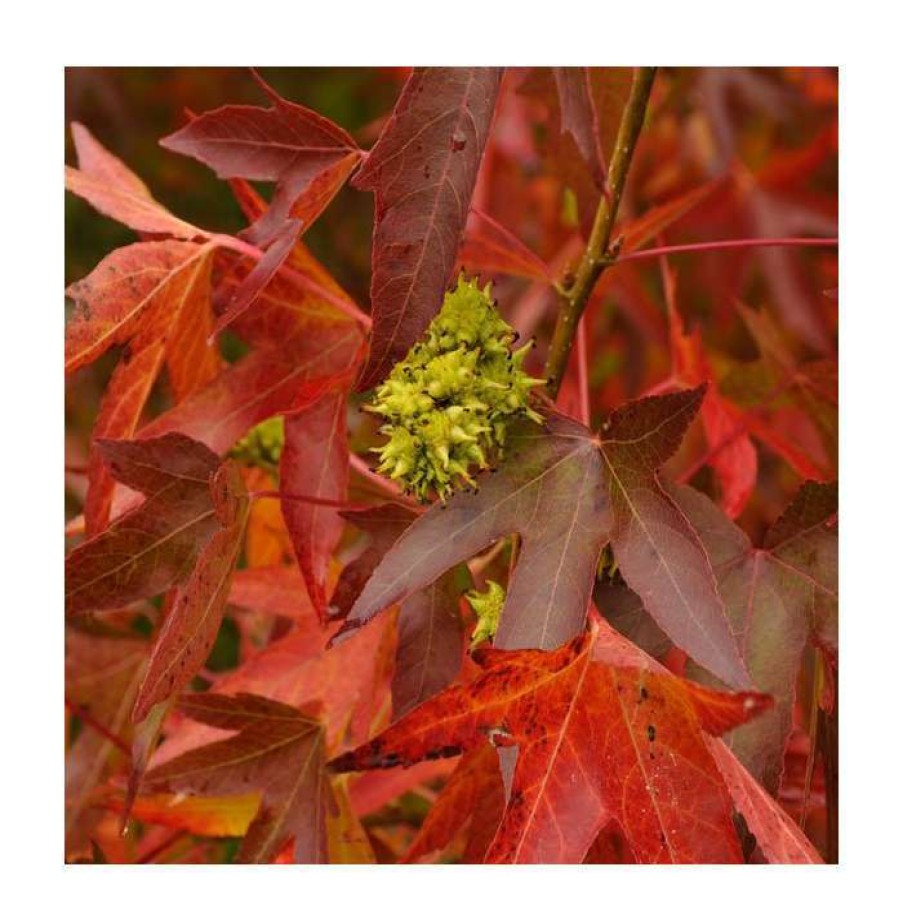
[(601, 731), (109, 186)]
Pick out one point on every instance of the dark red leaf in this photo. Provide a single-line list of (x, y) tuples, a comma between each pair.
[(191, 627), (423, 170), (277, 750), (153, 546), (315, 463), (287, 144), (777, 598)]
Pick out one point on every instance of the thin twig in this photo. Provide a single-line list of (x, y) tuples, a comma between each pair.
[(728, 244), (598, 255)]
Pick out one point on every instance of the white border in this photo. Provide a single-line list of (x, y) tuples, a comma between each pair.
[(40, 39)]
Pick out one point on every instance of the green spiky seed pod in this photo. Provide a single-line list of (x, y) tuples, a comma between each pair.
[(447, 404), (488, 608), (262, 445)]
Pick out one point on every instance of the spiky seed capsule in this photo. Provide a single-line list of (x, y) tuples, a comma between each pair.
[(448, 402), (261, 446), (488, 608)]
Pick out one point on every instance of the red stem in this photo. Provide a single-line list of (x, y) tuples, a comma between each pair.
[(307, 499), (379, 481), (730, 243), (249, 250), (91, 721), (162, 847)]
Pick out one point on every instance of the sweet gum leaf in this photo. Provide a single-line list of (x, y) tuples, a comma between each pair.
[(594, 720), (422, 170)]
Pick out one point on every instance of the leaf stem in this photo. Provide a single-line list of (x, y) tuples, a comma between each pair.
[(83, 714), (162, 847), (359, 465), (598, 255), (728, 244), (306, 499), (300, 279)]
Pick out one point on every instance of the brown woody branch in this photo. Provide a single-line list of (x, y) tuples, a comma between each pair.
[(598, 255)]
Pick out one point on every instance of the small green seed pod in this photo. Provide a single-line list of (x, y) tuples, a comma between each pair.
[(447, 403)]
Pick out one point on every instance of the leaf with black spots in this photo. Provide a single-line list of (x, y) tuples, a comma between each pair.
[(601, 731)]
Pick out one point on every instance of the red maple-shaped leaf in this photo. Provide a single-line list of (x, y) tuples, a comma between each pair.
[(186, 533), (154, 299), (153, 546), (288, 144), (423, 170), (109, 186), (778, 598), (599, 733), (549, 490), (566, 493), (276, 750)]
